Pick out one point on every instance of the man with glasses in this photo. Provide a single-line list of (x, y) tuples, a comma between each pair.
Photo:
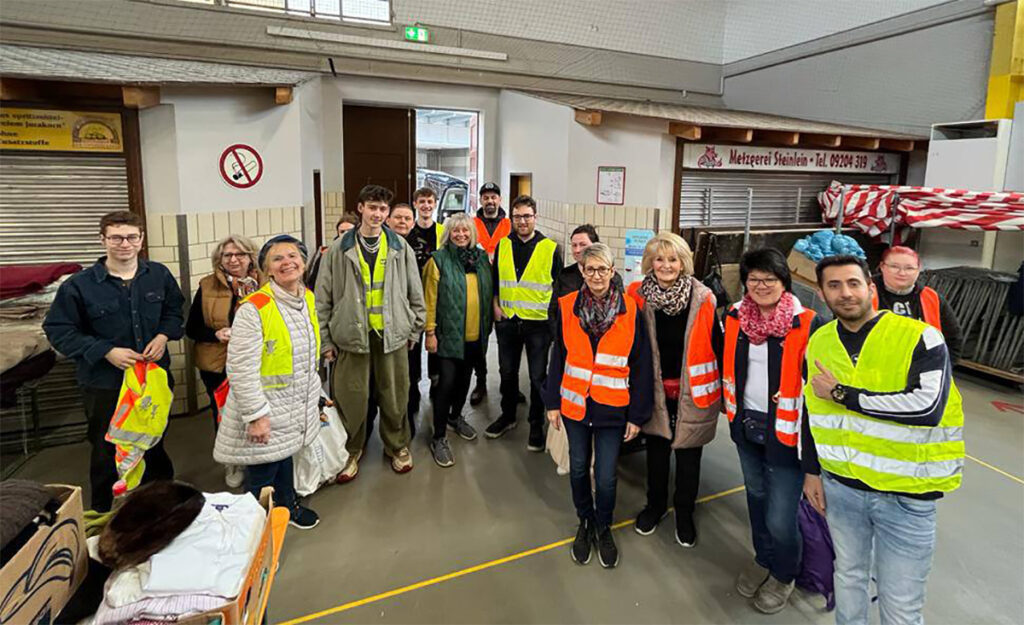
[(122, 310), (526, 267)]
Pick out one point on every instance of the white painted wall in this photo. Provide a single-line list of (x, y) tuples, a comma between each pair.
[(307, 97), (534, 136), (159, 146)]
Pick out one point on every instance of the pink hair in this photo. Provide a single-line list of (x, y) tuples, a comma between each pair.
[(900, 249)]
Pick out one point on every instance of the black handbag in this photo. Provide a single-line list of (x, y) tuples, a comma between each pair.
[(713, 277), (755, 426)]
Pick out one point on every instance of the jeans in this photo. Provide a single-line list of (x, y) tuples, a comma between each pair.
[(279, 474), (603, 443), (901, 530), (453, 387), (212, 380), (773, 494), (100, 404), (659, 459), (513, 335)]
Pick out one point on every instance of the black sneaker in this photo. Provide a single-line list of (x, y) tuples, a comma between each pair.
[(536, 440), (463, 429), (607, 552), (442, 452), (499, 427), (686, 530), (303, 518), (647, 521), (580, 551), (478, 393)]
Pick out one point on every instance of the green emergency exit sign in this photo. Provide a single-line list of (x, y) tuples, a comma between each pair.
[(417, 33)]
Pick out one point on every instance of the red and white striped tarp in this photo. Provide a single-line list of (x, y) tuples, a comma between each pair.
[(869, 208)]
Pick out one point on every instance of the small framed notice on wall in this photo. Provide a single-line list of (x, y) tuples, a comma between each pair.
[(611, 185)]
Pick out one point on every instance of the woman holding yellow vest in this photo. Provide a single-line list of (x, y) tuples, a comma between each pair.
[(599, 389), (679, 313), (272, 409), (235, 276), (882, 442)]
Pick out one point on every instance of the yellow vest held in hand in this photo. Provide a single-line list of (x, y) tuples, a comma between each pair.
[(139, 421), (885, 455)]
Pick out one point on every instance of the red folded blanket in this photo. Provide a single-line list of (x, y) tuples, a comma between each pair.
[(18, 280)]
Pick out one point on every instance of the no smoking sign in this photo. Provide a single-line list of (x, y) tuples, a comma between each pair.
[(241, 166)]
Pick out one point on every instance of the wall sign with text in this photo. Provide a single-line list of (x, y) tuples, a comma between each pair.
[(718, 156), (60, 131), (611, 185)]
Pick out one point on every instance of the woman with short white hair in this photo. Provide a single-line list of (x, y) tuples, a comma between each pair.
[(457, 288), (679, 313)]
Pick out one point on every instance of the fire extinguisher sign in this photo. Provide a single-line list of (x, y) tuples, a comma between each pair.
[(241, 166)]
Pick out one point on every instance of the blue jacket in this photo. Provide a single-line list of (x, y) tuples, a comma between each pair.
[(94, 312)]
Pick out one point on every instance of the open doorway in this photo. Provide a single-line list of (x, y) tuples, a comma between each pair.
[(447, 158), (519, 184)]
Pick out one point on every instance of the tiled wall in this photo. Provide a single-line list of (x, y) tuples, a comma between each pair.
[(334, 206), (180, 241), (558, 219)]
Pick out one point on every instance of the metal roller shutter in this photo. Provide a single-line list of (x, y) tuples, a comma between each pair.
[(50, 209), (719, 198), (50, 206)]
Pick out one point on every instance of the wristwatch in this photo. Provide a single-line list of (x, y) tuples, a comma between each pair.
[(838, 393)]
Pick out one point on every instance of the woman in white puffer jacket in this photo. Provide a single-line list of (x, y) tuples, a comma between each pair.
[(272, 409)]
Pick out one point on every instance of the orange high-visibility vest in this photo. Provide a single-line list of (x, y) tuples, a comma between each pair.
[(789, 398), (490, 241), (604, 376), (929, 307), (701, 370)]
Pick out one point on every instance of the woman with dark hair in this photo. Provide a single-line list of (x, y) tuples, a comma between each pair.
[(766, 336)]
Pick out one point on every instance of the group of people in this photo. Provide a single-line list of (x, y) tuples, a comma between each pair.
[(860, 415)]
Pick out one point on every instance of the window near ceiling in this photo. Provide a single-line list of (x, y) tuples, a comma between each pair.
[(364, 11)]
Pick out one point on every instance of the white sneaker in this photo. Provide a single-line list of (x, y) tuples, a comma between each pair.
[(234, 475)]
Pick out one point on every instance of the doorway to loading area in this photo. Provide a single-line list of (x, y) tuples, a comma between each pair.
[(447, 158)]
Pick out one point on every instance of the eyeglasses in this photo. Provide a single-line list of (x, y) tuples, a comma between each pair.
[(597, 271), (901, 268), (117, 239), (522, 217), (768, 282), (230, 255)]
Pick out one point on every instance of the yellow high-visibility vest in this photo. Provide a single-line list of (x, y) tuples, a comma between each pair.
[(373, 286), (276, 366), (529, 296), (885, 455)]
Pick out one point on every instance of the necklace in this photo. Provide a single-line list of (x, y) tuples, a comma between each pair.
[(367, 246)]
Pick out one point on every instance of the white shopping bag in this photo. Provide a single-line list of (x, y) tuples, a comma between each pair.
[(324, 458), (558, 448)]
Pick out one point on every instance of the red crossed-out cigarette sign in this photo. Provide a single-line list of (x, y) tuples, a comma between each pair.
[(241, 166)]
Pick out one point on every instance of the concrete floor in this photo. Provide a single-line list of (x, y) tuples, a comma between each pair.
[(385, 532)]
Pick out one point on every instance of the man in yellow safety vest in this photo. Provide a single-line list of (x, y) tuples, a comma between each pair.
[(883, 441), (526, 267)]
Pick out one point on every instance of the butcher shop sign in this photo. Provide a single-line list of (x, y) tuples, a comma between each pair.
[(718, 156)]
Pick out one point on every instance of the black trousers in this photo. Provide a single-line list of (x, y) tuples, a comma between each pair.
[(659, 458), (416, 374), (453, 386), (100, 404), (279, 474), (513, 336), (480, 366), (212, 380)]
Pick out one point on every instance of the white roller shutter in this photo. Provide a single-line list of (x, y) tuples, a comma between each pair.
[(719, 198), (50, 206)]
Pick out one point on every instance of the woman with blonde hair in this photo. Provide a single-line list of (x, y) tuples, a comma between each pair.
[(458, 290), (679, 313), (235, 275)]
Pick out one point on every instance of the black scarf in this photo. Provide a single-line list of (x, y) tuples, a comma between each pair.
[(597, 315), (468, 256)]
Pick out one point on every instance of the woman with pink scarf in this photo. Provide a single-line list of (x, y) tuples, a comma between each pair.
[(762, 389)]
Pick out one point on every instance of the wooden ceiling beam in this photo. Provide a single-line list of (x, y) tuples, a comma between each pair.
[(691, 132), (587, 117), (283, 95), (140, 97), (734, 135), (898, 145), (820, 140), (780, 137), (861, 143)]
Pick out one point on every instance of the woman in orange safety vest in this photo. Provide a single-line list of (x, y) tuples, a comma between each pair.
[(679, 313), (762, 385), (599, 389)]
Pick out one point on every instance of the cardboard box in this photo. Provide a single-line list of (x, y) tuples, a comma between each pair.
[(38, 581), (251, 604), (802, 267)]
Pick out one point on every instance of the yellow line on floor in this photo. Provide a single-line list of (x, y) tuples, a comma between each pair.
[(473, 569), (996, 469)]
